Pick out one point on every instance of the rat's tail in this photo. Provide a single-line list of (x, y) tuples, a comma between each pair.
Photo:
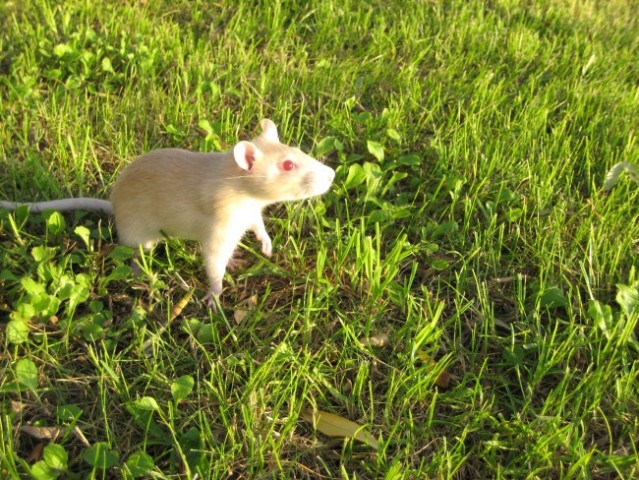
[(64, 205)]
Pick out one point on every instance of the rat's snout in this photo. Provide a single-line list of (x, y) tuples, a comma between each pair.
[(327, 176), (319, 179), (330, 174)]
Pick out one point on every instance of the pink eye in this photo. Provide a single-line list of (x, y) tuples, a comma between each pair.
[(288, 165)]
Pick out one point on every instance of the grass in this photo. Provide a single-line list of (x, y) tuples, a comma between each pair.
[(467, 224)]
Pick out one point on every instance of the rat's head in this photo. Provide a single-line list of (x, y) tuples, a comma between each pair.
[(280, 172)]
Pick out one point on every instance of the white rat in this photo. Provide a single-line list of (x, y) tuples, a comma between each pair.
[(213, 198)]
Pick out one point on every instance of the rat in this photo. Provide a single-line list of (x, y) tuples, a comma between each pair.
[(213, 198)]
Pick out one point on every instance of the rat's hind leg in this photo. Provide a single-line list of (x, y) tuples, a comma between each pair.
[(236, 261), (217, 253)]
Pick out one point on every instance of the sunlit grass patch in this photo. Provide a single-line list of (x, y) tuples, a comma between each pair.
[(462, 304)]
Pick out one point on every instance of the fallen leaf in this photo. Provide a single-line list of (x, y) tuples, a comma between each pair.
[(443, 379), (36, 453), (375, 341), (250, 302), (239, 315), (336, 426), (17, 407), (246, 306), (41, 433)]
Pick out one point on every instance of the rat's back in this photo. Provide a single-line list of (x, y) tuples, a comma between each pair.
[(162, 192)]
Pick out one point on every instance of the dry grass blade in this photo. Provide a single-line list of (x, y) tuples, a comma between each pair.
[(175, 312), (177, 309)]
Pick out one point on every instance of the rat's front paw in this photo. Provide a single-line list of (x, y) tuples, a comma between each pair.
[(235, 262), (267, 246)]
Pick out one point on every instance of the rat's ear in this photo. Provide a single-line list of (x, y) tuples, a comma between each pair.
[(246, 154), (269, 131)]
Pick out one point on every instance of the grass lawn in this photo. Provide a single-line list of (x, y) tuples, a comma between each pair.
[(467, 292)]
